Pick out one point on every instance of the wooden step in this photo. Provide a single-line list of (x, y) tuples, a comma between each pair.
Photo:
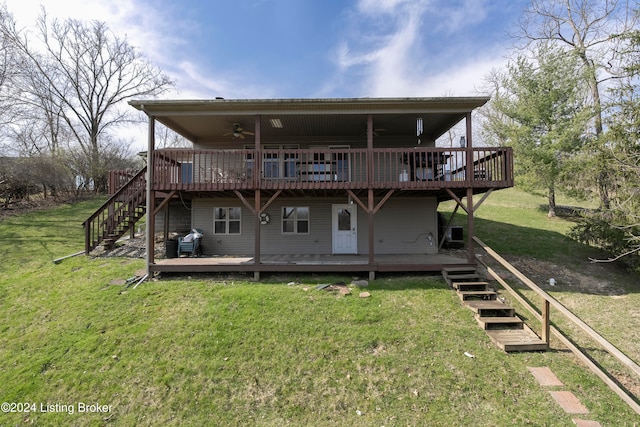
[(471, 286), (460, 274), (512, 340), (483, 295), (452, 271), (498, 319), (494, 323), (108, 243), (464, 277), (490, 308)]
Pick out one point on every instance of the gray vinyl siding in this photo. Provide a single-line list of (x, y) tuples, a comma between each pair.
[(223, 244), (401, 226)]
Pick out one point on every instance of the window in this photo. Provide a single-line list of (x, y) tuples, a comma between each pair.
[(279, 161), (226, 221), (295, 220)]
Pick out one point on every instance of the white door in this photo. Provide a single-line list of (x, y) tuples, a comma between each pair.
[(345, 229)]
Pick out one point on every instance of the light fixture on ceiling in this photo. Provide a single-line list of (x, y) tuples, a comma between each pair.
[(276, 123)]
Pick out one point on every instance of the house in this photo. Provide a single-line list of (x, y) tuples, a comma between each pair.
[(307, 184)]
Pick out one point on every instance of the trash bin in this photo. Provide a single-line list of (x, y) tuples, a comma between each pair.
[(171, 248)]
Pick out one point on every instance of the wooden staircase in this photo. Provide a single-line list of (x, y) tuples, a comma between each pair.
[(499, 320), (117, 215)]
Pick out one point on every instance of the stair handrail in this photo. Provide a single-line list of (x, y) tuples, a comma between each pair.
[(623, 358), (111, 200), (549, 300)]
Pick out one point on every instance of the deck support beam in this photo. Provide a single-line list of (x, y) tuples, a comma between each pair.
[(471, 256), (164, 205), (151, 197), (164, 202), (370, 201), (257, 233), (484, 197), (456, 199), (257, 208), (470, 177), (371, 222)]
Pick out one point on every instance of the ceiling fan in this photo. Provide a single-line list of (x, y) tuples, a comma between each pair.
[(238, 132)]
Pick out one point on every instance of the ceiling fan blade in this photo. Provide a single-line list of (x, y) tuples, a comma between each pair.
[(248, 133)]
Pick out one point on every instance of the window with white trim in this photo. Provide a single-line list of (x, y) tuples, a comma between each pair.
[(226, 220), (295, 220)]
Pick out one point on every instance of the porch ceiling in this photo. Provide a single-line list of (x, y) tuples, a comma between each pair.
[(210, 120)]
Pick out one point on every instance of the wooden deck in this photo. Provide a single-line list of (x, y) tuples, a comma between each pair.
[(312, 263)]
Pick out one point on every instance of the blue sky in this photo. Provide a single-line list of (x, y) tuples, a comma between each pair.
[(305, 48)]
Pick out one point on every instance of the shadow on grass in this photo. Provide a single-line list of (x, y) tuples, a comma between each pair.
[(546, 253)]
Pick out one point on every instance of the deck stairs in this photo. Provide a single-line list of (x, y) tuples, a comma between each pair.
[(118, 215), (499, 320)]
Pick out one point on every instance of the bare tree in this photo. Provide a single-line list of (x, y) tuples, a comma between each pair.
[(590, 29), (9, 67), (82, 73)]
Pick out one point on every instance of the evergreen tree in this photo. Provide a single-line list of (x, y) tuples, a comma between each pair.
[(539, 109)]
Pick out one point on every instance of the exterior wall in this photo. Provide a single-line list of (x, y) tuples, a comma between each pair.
[(401, 226), (179, 218)]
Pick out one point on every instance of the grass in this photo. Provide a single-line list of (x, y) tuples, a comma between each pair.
[(227, 351), (514, 222)]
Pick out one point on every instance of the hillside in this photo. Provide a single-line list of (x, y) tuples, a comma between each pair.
[(214, 350)]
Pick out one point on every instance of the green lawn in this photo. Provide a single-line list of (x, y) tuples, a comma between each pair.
[(227, 351)]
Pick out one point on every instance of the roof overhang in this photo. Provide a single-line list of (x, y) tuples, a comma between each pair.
[(208, 120)]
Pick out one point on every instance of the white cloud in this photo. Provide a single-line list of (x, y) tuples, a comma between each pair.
[(194, 84), (382, 6), (406, 56)]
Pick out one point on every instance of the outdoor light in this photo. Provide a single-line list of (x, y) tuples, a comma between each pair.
[(463, 142), (276, 123)]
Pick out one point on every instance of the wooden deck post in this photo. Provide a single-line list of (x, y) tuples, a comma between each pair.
[(151, 229), (546, 324), (370, 200), (257, 208), (470, 226), (470, 178)]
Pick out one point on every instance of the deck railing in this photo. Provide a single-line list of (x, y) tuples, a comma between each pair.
[(321, 168)]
